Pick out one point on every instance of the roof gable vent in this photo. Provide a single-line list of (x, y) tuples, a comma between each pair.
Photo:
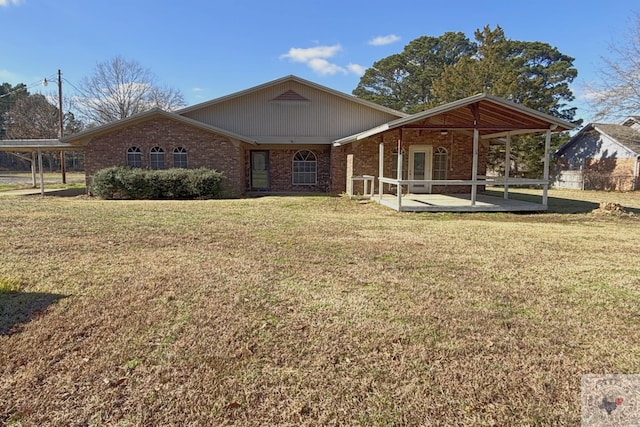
[(290, 96)]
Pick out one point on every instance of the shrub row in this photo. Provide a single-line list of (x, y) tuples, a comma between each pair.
[(133, 183)]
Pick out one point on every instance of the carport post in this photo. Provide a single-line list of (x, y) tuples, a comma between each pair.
[(41, 172), (33, 169)]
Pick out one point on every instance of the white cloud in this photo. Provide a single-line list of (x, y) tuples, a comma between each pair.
[(356, 69), (317, 58), (384, 40), (4, 3), (324, 67), (307, 54)]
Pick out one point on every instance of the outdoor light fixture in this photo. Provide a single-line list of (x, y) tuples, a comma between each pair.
[(444, 132)]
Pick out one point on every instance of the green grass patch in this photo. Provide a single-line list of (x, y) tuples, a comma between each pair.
[(10, 284)]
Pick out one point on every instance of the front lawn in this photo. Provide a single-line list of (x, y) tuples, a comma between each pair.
[(309, 311)]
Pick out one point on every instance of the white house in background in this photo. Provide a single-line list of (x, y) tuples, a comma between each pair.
[(601, 156)]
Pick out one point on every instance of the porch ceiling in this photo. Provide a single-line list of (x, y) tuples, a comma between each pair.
[(492, 116)]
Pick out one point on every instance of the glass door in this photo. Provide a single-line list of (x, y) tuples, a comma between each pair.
[(259, 170), (420, 166)]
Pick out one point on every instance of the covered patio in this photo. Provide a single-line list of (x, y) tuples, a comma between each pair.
[(466, 127)]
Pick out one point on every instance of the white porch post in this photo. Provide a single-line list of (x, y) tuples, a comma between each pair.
[(474, 171), (33, 169), (380, 168), (545, 186), (507, 165), (399, 177), (41, 172)]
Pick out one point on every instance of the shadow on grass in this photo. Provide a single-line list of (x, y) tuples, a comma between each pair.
[(18, 308), (558, 204)]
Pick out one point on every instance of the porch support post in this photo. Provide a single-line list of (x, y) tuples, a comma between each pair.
[(545, 186), (507, 165), (41, 172), (380, 168), (474, 170), (33, 169), (399, 177)]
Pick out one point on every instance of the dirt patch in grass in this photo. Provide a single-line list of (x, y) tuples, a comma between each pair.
[(310, 311)]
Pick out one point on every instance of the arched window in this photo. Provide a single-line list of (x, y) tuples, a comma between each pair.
[(440, 163), (305, 168), (180, 157), (156, 158), (134, 157)]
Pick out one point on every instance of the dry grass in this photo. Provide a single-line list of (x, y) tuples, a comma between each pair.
[(12, 180), (309, 311)]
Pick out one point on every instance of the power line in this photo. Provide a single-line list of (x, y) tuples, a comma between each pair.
[(27, 87)]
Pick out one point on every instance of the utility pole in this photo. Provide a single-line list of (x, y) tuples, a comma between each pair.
[(61, 128)]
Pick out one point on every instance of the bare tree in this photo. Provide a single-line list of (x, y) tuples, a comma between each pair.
[(616, 95), (32, 117), (119, 88)]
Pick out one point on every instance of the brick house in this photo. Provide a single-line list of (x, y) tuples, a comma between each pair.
[(601, 156), (294, 136)]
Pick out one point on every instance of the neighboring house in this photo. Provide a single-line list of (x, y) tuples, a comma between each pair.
[(601, 157), (294, 136)]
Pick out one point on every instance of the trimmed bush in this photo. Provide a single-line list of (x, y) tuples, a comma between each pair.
[(133, 183)]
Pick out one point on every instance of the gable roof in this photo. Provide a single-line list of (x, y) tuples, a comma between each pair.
[(625, 136), (496, 117), (297, 80), (84, 136), (630, 121)]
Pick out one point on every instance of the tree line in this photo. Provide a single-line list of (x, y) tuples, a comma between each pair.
[(118, 88), (430, 71)]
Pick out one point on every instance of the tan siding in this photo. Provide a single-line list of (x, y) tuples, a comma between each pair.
[(326, 116)]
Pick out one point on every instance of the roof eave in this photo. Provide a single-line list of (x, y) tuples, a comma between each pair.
[(90, 133)]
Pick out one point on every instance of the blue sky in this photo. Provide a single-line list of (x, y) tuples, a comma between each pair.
[(208, 49)]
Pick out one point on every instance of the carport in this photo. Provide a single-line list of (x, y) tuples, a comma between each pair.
[(35, 147)]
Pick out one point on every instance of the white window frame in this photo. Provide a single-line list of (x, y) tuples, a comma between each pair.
[(156, 158), (181, 154), (440, 163), (304, 168), (134, 157)]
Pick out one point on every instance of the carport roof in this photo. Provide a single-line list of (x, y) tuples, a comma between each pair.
[(23, 145)]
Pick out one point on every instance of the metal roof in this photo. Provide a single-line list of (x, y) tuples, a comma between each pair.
[(494, 117), (297, 79), (23, 145)]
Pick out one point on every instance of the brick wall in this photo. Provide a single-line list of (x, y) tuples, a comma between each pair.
[(366, 155), (204, 149), (281, 167), (610, 174)]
